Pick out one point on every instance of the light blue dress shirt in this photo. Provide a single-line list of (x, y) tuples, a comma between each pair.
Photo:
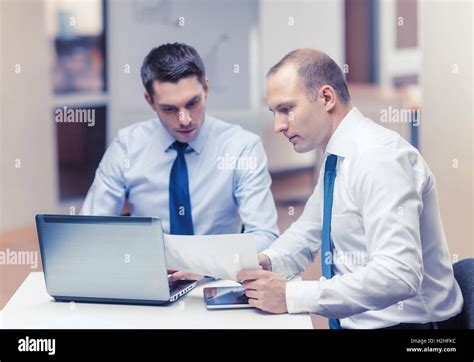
[(229, 182)]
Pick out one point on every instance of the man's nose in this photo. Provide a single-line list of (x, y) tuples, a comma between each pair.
[(185, 118), (280, 125)]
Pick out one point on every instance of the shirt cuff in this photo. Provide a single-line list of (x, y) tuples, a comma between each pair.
[(276, 262), (303, 296)]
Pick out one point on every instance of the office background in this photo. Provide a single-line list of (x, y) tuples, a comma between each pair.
[(398, 55)]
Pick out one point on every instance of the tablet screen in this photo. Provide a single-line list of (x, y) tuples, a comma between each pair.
[(225, 296)]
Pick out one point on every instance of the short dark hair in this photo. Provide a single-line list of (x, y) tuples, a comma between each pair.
[(170, 63), (315, 69)]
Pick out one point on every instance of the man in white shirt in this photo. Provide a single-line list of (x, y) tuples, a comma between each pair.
[(374, 214)]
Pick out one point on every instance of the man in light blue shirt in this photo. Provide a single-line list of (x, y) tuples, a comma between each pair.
[(198, 174)]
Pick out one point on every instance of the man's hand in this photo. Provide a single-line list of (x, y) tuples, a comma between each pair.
[(266, 290), (180, 275)]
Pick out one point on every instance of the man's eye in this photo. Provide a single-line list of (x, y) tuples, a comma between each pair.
[(193, 103), (285, 110), (168, 110)]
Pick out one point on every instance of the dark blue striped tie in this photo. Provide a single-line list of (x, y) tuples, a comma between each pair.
[(181, 220), (326, 246)]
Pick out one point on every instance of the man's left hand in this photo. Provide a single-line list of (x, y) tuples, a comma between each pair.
[(266, 290)]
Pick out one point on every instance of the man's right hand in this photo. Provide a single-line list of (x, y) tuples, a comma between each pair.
[(265, 262), (175, 275)]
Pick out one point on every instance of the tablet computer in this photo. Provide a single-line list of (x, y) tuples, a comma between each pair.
[(226, 298)]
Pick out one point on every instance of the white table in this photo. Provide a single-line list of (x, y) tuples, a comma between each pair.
[(32, 308)]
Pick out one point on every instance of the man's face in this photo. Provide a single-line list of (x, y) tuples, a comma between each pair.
[(305, 122), (180, 106)]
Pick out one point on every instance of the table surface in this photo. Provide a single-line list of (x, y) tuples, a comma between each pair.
[(32, 308)]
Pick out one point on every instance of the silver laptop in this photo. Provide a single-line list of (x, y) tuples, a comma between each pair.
[(106, 259)]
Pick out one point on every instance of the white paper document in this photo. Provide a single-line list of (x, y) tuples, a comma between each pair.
[(219, 256)]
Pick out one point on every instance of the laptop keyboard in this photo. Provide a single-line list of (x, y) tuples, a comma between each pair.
[(179, 284)]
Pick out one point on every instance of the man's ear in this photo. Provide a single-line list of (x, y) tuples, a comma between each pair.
[(327, 95), (149, 99)]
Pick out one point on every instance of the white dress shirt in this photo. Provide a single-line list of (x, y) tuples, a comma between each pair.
[(391, 259), (229, 182)]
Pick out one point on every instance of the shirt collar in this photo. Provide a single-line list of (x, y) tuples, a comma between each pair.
[(198, 143), (341, 142), (166, 140)]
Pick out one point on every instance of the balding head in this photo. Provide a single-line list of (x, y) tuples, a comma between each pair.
[(315, 69)]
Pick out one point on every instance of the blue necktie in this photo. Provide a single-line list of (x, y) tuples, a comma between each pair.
[(181, 221), (326, 246)]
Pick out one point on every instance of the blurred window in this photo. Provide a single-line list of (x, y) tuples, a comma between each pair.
[(76, 31)]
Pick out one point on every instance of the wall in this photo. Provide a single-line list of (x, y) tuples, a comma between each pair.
[(395, 62), (447, 114), (317, 24), (27, 128)]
